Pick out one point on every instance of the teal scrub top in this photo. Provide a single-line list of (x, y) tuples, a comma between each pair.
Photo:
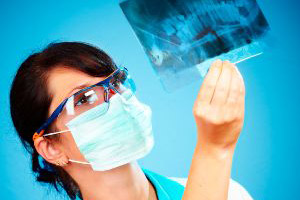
[(166, 189)]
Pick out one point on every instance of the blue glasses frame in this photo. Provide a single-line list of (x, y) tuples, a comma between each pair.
[(105, 83)]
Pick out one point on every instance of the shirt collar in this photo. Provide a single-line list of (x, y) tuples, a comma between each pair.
[(166, 189)]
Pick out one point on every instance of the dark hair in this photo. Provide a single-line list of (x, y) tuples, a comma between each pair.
[(30, 100)]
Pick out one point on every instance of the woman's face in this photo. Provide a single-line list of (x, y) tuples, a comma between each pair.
[(62, 83)]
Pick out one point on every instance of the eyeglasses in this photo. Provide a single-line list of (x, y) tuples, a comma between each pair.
[(98, 94)]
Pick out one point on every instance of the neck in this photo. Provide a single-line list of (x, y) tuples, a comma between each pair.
[(127, 182)]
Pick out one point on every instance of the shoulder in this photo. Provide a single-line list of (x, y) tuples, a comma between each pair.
[(236, 190)]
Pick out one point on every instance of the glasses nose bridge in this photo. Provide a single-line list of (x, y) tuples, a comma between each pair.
[(106, 92)]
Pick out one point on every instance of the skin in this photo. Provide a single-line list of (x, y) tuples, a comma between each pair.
[(219, 115)]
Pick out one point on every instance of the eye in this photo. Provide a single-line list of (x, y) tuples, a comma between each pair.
[(116, 83), (122, 77), (89, 97), (81, 101), (118, 79)]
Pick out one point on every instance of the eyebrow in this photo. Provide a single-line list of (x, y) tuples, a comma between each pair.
[(78, 87)]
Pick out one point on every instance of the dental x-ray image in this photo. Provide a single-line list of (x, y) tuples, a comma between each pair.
[(182, 37)]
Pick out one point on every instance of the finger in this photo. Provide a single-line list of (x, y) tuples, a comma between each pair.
[(239, 109), (239, 73), (234, 90), (221, 91), (242, 88), (233, 96), (209, 83)]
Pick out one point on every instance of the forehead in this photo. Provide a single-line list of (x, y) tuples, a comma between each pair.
[(62, 82)]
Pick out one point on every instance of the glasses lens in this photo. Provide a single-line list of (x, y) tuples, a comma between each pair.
[(122, 83), (87, 99), (84, 101)]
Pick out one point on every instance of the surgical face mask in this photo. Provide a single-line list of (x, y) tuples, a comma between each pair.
[(121, 135)]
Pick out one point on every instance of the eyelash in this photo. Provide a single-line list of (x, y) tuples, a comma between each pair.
[(79, 101), (86, 98)]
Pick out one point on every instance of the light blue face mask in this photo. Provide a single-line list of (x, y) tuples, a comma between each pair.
[(121, 135)]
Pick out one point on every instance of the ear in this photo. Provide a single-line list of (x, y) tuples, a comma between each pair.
[(49, 151)]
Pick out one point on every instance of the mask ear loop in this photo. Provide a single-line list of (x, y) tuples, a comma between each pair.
[(54, 133), (79, 162), (71, 160)]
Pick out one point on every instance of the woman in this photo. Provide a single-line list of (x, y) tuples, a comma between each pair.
[(76, 113)]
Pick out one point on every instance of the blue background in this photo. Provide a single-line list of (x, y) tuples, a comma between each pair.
[(266, 161)]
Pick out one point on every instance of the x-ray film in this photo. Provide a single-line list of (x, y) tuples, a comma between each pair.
[(183, 37)]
